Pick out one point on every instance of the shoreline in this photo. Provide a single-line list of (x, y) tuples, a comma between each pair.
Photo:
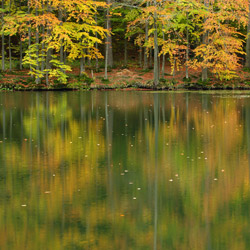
[(122, 79)]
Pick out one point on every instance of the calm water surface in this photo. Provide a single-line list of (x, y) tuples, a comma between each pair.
[(125, 170)]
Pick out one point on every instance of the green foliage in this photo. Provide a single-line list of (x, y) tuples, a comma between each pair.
[(105, 81)]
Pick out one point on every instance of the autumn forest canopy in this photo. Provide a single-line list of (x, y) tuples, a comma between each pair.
[(50, 37)]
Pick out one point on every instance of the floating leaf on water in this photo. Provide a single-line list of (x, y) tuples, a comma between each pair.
[(171, 180), (130, 183), (126, 171), (47, 192), (122, 174), (24, 205), (134, 198), (138, 188), (215, 179)]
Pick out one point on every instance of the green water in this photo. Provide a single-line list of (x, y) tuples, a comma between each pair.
[(124, 170)]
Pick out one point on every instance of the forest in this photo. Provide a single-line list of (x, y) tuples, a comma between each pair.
[(76, 43)]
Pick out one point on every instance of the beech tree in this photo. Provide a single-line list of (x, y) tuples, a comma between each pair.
[(48, 35), (72, 30)]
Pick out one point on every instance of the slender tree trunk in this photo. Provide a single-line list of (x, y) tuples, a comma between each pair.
[(37, 51), (156, 69), (150, 58), (174, 68), (205, 41), (248, 39), (145, 49), (109, 38), (43, 52), (163, 58), (187, 55), (43, 45), (3, 56), (64, 56), (49, 52), (125, 52), (140, 60), (107, 49), (82, 65), (10, 56), (61, 47), (96, 46), (21, 53), (29, 35), (106, 61)]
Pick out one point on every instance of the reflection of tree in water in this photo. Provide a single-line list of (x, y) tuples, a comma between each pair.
[(156, 119), (75, 185)]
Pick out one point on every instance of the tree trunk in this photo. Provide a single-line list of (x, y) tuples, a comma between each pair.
[(187, 54), (82, 65), (145, 49), (37, 51), (107, 49), (29, 34), (106, 61), (163, 58), (21, 53), (140, 60), (156, 69), (248, 40), (61, 47), (43, 45), (174, 68), (64, 56), (125, 52), (109, 38), (49, 52), (205, 41), (150, 58), (3, 56), (96, 46), (10, 58)]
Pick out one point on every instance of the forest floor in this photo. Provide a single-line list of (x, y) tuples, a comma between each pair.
[(125, 78)]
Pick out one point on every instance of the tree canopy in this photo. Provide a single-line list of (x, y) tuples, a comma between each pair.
[(48, 36)]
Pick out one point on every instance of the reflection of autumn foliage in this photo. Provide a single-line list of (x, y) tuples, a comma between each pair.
[(84, 165)]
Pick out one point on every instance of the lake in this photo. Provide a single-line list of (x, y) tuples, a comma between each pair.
[(120, 170)]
